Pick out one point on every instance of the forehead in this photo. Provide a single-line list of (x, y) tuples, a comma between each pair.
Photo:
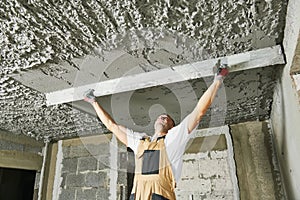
[(164, 115)]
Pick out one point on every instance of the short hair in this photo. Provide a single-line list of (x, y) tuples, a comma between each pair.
[(170, 118)]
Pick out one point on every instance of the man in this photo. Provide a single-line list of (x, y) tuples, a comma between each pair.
[(158, 159)]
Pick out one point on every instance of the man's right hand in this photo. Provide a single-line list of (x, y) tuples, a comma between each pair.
[(222, 72), (89, 96)]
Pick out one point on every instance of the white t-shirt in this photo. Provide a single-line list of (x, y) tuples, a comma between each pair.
[(175, 142)]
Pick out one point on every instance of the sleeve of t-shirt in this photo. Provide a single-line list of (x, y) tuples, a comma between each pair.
[(177, 139), (133, 139)]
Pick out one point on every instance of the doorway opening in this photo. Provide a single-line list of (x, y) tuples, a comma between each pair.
[(16, 184)]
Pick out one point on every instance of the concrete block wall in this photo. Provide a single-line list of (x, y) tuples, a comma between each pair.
[(85, 174), (21, 152), (205, 175), (19, 143), (206, 170), (90, 169)]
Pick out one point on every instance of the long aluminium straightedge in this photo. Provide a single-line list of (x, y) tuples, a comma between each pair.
[(243, 61)]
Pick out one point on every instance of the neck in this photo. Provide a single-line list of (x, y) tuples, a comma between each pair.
[(160, 133), (157, 135)]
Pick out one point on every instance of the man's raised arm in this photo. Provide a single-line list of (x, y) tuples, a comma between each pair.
[(206, 99), (107, 120)]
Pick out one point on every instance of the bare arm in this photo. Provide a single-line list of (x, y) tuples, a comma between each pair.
[(109, 122), (207, 98), (203, 104)]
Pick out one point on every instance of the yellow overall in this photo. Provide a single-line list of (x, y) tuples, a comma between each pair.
[(153, 178)]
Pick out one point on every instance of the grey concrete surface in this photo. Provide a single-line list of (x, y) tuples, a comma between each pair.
[(258, 174), (285, 111), (49, 36)]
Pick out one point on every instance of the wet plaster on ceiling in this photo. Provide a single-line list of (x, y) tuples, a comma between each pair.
[(48, 36)]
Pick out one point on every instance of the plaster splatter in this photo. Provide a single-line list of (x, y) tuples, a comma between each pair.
[(33, 33)]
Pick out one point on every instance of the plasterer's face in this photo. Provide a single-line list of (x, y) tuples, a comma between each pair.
[(164, 121)]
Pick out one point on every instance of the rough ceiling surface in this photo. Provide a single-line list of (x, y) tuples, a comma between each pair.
[(40, 34)]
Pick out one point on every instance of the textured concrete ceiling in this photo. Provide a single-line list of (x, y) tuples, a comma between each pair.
[(46, 40)]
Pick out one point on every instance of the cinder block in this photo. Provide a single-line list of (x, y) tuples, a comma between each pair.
[(103, 162), (69, 165), (94, 179), (201, 185), (200, 195), (87, 163), (75, 151), (190, 169), (211, 168), (218, 154), (122, 161), (67, 194), (75, 180), (222, 195), (195, 195), (88, 194), (101, 149), (66, 151), (79, 151), (222, 186), (103, 193), (207, 143), (210, 197), (122, 177)]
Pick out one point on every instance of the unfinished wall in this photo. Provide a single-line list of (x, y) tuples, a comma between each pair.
[(257, 167), (209, 167), (92, 168), (206, 172), (286, 110), (214, 166), (21, 152), (88, 168)]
